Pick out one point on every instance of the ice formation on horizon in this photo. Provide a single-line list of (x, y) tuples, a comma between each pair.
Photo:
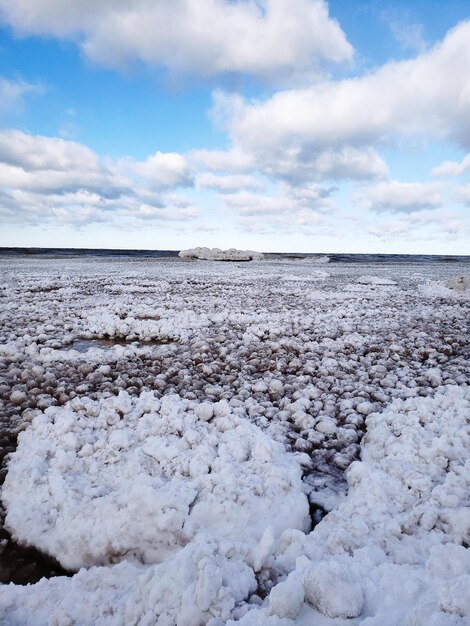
[(216, 254)]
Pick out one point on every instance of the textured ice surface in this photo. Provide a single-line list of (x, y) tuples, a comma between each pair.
[(183, 461), (396, 550)]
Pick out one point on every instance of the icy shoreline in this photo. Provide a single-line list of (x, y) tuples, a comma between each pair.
[(191, 477)]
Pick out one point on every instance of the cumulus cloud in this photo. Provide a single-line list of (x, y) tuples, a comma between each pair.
[(167, 169), (51, 178), (284, 208), (425, 225), (299, 164), (233, 160), (264, 38), (452, 169), (296, 165), (230, 183), (397, 197), (425, 96), (333, 130), (302, 220)]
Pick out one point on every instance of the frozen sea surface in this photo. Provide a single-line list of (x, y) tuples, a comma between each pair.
[(276, 442)]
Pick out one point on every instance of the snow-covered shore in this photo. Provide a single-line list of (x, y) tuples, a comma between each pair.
[(181, 470)]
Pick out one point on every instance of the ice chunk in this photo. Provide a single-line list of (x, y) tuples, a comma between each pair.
[(287, 597), (334, 590), (459, 283), (216, 254)]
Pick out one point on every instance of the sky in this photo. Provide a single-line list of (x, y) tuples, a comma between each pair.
[(273, 125)]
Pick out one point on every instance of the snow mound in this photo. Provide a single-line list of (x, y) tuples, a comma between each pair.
[(204, 581), (459, 283), (393, 552), (374, 280), (216, 254), (139, 478)]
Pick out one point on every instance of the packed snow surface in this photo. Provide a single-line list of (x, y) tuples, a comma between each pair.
[(216, 254), (178, 464)]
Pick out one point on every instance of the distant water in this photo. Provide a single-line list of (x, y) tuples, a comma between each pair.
[(292, 256)]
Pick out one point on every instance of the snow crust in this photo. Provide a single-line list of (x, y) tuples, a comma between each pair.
[(216, 254)]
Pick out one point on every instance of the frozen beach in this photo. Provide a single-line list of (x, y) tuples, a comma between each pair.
[(274, 442)]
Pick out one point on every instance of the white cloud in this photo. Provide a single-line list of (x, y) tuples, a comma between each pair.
[(426, 96), (282, 208), (409, 34), (301, 220), (51, 178), (425, 225), (462, 194), (299, 164), (397, 197), (296, 165), (13, 91), (165, 169), (452, 169), (266, 38), (230, 183), (333, 130), (232, 160)]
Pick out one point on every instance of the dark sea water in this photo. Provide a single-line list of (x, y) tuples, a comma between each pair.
[(279, 256)]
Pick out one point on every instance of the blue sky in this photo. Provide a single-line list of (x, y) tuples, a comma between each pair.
[(310, 126)]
